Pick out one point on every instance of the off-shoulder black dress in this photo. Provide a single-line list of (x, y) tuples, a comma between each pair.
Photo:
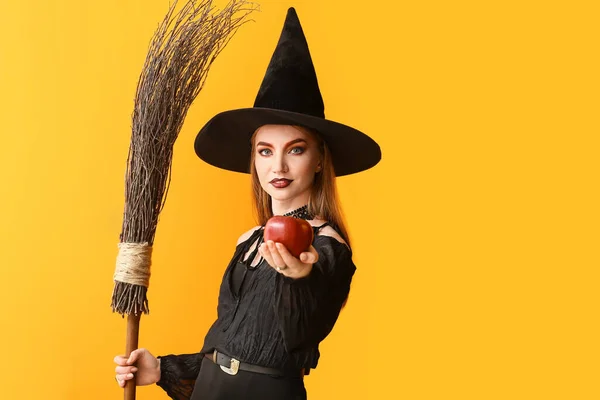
[(267, 319)]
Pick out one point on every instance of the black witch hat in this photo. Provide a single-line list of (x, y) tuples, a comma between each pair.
[(289, 95)]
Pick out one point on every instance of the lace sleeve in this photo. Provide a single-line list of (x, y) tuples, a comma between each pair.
[(178, 374)]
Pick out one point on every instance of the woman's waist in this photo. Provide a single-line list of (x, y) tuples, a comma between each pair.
[(232, 365), (271, 353)]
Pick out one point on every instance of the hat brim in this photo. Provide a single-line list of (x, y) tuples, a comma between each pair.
[(224, 141)]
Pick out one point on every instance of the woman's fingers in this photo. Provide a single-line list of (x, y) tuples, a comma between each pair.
[(125, 370), (310, 257), (266, 253), (287, 257), (120, 360), (276, 255), (136, 355), (269, 252), (133, 357), (124, 377)]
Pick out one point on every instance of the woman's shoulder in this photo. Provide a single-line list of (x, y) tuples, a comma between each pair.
[(246, 235), (325, 229), (334, 253)]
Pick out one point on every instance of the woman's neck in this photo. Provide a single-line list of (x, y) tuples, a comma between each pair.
[(283, 207)]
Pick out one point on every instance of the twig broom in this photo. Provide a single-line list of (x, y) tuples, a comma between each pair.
[(180, 55)]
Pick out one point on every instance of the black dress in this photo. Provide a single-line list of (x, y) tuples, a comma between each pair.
[(265, 318)]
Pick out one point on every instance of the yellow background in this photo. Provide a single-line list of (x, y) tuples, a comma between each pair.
[(476, 237)]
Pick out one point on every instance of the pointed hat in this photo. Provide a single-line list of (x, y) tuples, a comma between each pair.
[(289, 95)]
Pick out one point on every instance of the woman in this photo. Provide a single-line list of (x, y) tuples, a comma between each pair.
[(274, 309)]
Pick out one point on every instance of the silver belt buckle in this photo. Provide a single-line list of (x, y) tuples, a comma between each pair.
[(234, 365)]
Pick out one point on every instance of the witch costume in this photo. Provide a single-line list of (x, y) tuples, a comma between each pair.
[(269, 326)]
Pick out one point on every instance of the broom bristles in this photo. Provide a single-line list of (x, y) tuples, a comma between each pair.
[(130, 299), (180, 55)]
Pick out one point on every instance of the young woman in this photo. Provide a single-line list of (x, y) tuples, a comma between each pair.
[(274, 309)]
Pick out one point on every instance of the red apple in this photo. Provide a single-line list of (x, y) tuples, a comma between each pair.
[(294, 233)]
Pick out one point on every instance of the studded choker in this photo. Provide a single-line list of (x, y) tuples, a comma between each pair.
[(301, 213)]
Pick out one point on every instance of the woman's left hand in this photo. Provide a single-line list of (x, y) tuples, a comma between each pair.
[(285, 263)]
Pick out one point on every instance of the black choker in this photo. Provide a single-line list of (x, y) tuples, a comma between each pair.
[(301, 213)]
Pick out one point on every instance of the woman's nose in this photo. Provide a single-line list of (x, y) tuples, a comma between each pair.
[(279, 164)]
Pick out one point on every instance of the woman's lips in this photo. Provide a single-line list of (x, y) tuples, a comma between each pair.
[(280, 183)]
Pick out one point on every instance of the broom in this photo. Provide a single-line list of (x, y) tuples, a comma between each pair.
[(181, 52)]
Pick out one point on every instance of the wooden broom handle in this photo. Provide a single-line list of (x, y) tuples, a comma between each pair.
[(133, 329)]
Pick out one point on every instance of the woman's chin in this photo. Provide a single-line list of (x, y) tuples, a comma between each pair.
[(280, 197)]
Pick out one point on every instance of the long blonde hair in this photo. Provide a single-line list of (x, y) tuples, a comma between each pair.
[(324, 201)]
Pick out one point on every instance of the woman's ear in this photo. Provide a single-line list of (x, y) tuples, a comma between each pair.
[(320, 164)]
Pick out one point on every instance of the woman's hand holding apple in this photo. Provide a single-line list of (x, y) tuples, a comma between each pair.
[(279, 257), (288, 246)]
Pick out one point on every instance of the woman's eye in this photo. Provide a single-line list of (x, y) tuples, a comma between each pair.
[(297, 150), (264, 152)]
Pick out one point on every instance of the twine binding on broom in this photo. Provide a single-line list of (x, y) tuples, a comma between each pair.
[(132, 277)]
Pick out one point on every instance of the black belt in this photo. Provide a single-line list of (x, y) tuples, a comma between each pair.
[(231, 366)]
